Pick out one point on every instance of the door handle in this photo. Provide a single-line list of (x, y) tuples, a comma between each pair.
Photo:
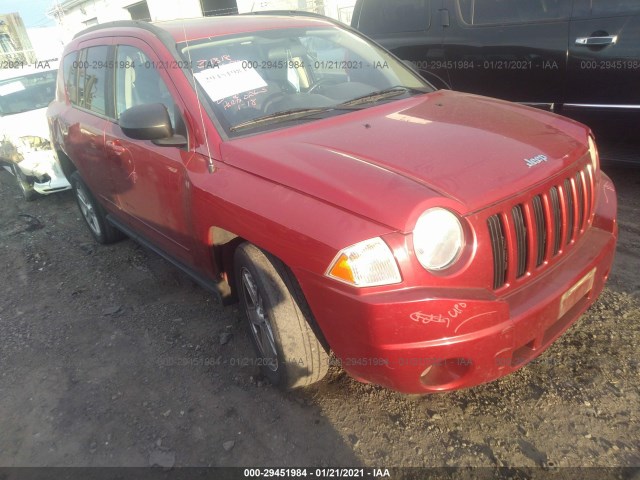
[(445, 21), (597, 41), (115, 147)]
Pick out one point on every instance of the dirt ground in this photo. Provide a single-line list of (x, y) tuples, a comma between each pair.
[(111, 357)]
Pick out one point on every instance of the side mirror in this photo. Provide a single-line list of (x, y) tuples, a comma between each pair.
[(150, 122)]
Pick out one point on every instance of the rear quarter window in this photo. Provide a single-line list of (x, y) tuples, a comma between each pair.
[(398, 16), (502, 12)]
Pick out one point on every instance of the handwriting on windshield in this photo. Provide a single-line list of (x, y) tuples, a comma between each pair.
[(240, 101), (213, 62)]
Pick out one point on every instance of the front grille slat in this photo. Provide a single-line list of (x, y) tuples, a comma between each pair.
[(499, 247), (589, 195), (557, 220), (581, 201), (541, 229), (521, 239), (568, 193), (533, 232)]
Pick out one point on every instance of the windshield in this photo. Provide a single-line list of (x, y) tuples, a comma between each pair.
[(27, 92), (276, 78)]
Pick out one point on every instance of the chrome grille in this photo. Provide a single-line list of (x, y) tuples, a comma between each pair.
[(531, 233)]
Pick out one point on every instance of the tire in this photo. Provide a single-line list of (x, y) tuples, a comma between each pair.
[(93, 213), (278, 320), (26, 187)]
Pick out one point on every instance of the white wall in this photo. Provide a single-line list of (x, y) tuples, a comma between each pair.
[(245, 6), (74, 20), (339, 9), (47, 42), (171, 9)]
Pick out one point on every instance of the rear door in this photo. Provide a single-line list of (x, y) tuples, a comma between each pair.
[(411, 29), (88, 83), (604, 55), (509, 49)]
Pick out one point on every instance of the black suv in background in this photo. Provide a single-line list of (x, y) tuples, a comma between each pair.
[(580, 58)]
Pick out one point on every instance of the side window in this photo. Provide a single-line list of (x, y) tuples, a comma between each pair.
[(92, 76), (397, 16), (70, 75), (491, 12), (138, 82), (614, 7)]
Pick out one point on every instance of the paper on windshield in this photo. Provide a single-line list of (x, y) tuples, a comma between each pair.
[(229, 79)]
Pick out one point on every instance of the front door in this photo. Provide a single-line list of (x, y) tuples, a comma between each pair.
[(604, 71), (411, 29), (150, 181)]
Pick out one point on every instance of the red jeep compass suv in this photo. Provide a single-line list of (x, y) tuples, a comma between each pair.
[(432, 240)]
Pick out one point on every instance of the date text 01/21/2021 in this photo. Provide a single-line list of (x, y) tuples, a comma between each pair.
[(316, 473)]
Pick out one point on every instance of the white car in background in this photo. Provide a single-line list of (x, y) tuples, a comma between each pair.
[(25, 150)]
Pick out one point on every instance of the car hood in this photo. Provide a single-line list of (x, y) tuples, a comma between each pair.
[(12, 127), (32, 123), (391, 161)]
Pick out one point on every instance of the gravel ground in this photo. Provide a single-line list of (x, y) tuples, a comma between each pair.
[(111, 357)]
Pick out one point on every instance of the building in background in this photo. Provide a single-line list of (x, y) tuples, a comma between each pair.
[(76, 15), (47, 42), (340, 10), (15, 45)]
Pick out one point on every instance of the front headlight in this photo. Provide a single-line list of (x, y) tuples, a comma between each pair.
[(438, 239), (593, 152), (366, 264)]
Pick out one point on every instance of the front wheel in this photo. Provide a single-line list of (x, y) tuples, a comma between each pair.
[(93, 213), (289, 352)]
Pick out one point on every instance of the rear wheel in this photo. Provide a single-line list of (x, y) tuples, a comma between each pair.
[(26, 186), (289, 353), (93, 213)]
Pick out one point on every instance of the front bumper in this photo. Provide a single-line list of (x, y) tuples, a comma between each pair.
[(425, 340), (43, 166)]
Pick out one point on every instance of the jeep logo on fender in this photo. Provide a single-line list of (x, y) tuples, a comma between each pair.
[(532, 162)]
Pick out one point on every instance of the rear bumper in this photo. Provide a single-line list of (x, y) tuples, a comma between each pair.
[(424, 340)]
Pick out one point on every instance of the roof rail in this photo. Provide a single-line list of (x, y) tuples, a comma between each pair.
[(120, 23), (287, 12)]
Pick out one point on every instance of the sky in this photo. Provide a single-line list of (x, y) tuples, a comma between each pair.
[(33, 12)]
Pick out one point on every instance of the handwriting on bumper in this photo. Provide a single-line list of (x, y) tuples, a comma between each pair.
[(426, 318)]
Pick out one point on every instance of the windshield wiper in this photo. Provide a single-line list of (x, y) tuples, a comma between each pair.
[(284, 115), (293, 114), (381, 94)]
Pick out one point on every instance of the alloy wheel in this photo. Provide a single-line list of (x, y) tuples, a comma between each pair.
[(259, 321), (88, 210)]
